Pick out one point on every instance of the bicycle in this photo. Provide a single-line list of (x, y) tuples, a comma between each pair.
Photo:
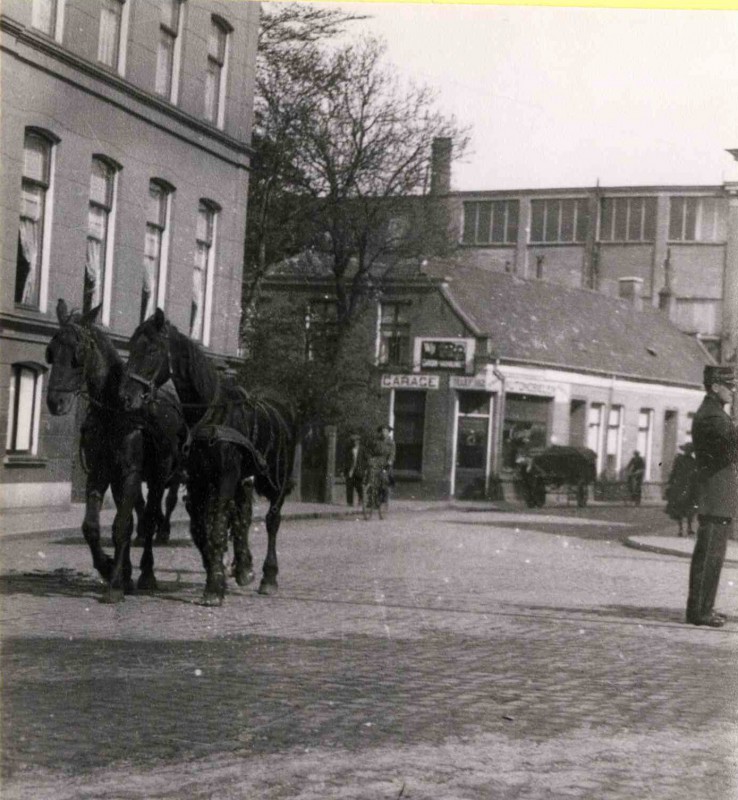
[(375, 491)]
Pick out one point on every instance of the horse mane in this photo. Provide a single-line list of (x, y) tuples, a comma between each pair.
[(190, 362), (109, 355)]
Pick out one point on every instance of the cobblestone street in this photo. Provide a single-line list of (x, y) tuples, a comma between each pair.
[(442, 654)]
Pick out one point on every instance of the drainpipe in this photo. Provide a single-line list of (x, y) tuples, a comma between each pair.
[(497, 461)]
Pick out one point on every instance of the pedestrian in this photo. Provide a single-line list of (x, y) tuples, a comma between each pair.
[(634, 473), (382, 452), (715, 440), (681, 489), (352, 469)]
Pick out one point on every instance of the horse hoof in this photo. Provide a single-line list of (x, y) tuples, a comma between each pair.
[(267, 588), (244, 578), (113, 596), (212, 600), (147, 583)]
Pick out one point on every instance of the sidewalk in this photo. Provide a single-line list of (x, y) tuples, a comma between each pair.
[(676, 546)]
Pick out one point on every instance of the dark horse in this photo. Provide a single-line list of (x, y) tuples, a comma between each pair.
[(118, 449), (237, 440)]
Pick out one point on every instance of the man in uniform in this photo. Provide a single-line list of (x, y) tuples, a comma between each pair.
[(715, 440)]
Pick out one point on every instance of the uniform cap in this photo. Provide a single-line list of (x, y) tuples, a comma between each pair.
[(719, 374)]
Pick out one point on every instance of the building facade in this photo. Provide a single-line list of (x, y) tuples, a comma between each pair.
[(125, 152)]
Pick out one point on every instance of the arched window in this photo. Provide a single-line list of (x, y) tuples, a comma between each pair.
[(156, 247), (24, 408), (33, 233), (217, 70), (204, 269), (98, 261)]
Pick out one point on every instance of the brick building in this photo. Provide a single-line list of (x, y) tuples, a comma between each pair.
[(125, 131)]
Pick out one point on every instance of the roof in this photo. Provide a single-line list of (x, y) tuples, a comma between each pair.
[(577, 329)]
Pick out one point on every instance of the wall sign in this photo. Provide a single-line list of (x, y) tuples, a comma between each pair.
[(443, 354), (409, 381), (483, 382), (517, 386)]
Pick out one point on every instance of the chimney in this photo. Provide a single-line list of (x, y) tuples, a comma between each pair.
[(441, 165), (631, 289)]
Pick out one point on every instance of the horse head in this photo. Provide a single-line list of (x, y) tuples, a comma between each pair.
[(148, 365), (71, 356)]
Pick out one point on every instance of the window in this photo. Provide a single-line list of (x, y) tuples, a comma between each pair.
[(697, 219), (321, 327), (409, 424), (594, 431), (491, 222), (167, 59), (215, 77), (99, 251), (24, 409), (525, 427), (155, 249), (643, 442), (203, 271), (614, 437), (47, 16), (34, 218), (628, 219), (110, 44), (394, 334), (473, 430), (559, 220)]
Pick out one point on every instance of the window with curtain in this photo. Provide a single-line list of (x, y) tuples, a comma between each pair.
[(215, 75), (44, 15), (111, 19), (166, 60), (394, 334), (643, 442), (102, 185), (25, 393), (156, 229), (612, 448), (204, 250), (35, 184), (594, 430)]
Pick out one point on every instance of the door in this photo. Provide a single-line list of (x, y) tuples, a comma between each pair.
[(472, 444)]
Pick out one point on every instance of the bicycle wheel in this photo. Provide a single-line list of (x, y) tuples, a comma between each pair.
[(367, 500)]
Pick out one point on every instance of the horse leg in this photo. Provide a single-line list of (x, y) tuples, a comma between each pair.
[(216, 544), (242, 514), (147, 579), (140, 509), (270, 569), (125, 492), (96, 488), (165, 525)]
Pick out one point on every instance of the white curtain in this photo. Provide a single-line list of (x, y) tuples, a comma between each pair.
[(198, 290), (152, 246), (109, 26), (29, 229), (42, 15), (93, 269)]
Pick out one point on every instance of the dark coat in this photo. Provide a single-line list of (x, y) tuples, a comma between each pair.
[(681, 492), (715, 441)]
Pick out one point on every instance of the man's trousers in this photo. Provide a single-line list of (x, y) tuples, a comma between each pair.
[(707, 563)]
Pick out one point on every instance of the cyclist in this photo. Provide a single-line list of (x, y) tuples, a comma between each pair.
[(381, 451)]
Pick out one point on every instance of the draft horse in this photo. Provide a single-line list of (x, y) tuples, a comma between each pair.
[(237, 441), (119, 449)]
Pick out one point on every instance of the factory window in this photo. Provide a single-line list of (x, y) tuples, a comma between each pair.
[(111, 44), (558, 221), (98, 260), (697, 219), (217, 68), (202, 275), (491, 222), (409, 424), (628, 219), (156, 248), (35, 207), (168, 55), (24, 408), (394, 334)]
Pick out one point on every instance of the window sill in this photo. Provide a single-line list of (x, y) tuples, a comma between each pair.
[(24, 460)]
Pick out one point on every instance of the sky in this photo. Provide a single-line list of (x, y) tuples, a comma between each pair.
[(558, 97)]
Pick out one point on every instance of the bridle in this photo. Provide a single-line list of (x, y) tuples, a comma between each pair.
[(84, 339), (150, 385)]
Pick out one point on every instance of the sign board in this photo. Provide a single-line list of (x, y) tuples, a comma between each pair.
[(517, 386), (484, 382), (410, 381), (443, 354)]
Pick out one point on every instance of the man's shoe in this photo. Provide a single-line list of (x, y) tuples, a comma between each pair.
[(711, 621)]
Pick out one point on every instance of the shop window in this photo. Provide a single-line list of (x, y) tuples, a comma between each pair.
[(491, 222), (168, 54), (111, 42), (473, 430), (394, 334), (697, 219), (643, 442), (47, 16), (409, 424), (613, 442), (321, 330), (31, 261), (156, 248), (525, 427), (216, 71), (628, 219), (99, 240), (202, 274), (559, 221), (24, 409)]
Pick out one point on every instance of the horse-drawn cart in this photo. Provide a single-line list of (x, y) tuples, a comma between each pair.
[(558, 467)]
